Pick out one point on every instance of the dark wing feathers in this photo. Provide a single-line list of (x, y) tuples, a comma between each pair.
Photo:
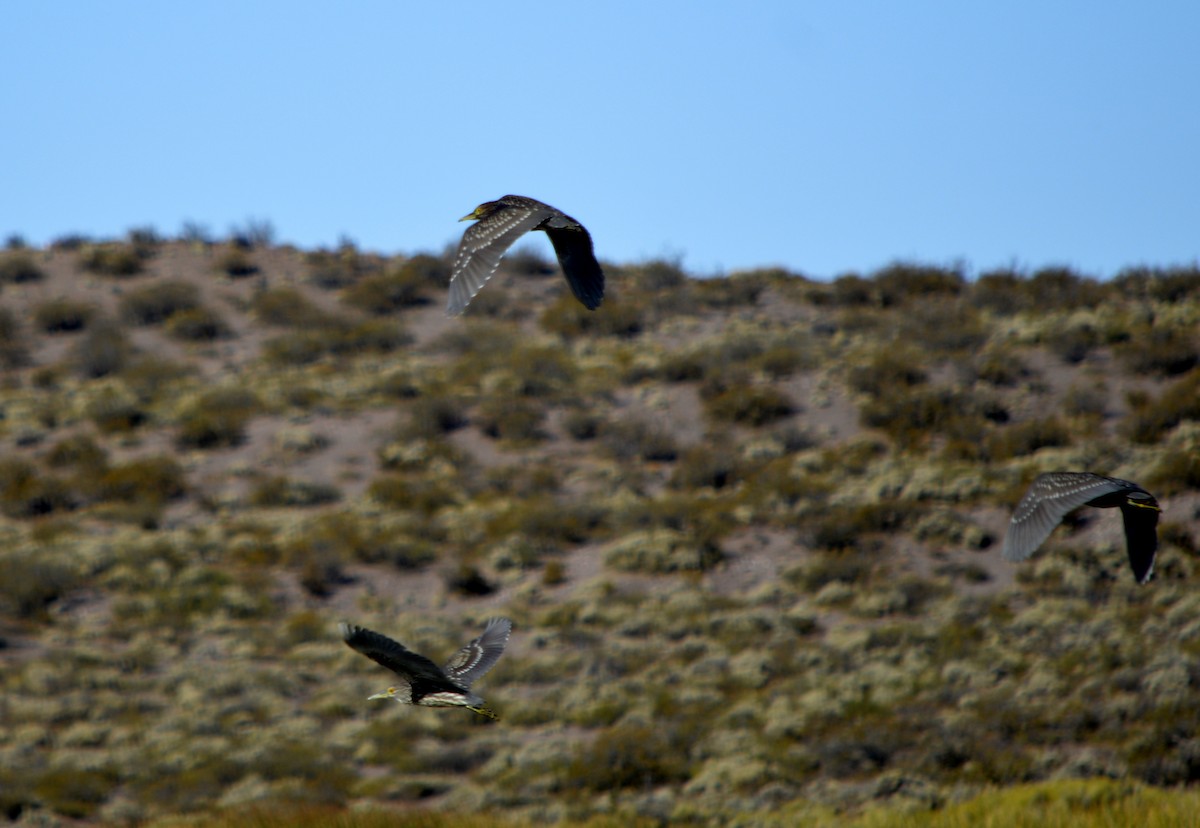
[(1050, 498), (482, 245), (393, 655), (1141, 535), (481, 654), (573, 245)]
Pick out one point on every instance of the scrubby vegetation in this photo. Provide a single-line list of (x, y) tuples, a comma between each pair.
[(747, 530)]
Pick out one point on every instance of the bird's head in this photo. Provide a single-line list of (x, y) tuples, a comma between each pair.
[(389, 693), (1143, 500), (482, 211)]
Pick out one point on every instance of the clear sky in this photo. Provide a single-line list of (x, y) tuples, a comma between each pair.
[(824, 137)]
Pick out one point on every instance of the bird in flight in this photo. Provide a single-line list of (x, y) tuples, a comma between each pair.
[(422, 681), (1053, 495), (498, 224)]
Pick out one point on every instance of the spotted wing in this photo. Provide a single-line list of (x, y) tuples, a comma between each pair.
[(1050, 498), (481, 654), (573, 244), (1140, 513), (483, 244), (393, 655)]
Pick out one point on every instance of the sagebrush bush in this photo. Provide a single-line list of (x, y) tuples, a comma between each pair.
[(750, 405), (157, 302), (199, 324), (567, 318), (19, 266), (14, 353), (217, 419), (64, 315), (898, 283), (111, 259), (288, 307), (1160, 350), (113, 409), (27, 492), (279, 490), (514, 419), (639, 438), (336, 338), (31, 581), (235, 263), (386, 293), (1149, 418), (335, 269)]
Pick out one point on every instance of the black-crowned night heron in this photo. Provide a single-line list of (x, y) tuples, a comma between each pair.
[(423, 682), (1051, 496), (498, 225)]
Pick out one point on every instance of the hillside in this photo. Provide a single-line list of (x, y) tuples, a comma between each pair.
[(747, 530)]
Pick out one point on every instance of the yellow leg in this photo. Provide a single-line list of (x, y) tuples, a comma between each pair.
[(483, 711)]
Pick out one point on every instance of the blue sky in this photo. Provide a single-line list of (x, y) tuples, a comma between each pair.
[(824, 137)]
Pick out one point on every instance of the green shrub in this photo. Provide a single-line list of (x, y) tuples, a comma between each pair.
[(567, 318), (337, 338), (155, 303), (711, 464), (750, 405), (24, 492), (389, 292), (198, 325), (75, 792), (102, 351), (115, 410), (414, 492), (735, 290), (467, 580), (63, 315), (1072, 343), (1150, 419), (1000, 291), (14, 353), (639, 438), (111, 259), (235, 263), (633, 756), (283, 491), (1164, 351), (1025, 438), (434, 415), (30, 581), (77, 451), (19, 266), (886, 369), (151, 480), (900, 282), (1056, 288), (913, 416), (582, 423), (513, 419), (288, 307), (217, 419), (333, 270)]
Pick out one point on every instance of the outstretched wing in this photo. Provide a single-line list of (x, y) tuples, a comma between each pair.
[(481, 654), (1050, 498), (1140, 513), (483, 244), (393, 655), (573, 244)]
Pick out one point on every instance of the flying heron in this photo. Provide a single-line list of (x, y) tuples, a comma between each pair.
[(422, 681), (1053, 495), (498, 225)]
